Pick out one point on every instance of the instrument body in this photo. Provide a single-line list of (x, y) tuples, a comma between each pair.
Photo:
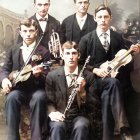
[(75, 88), (55, 45), (122, 58), (21, 76)]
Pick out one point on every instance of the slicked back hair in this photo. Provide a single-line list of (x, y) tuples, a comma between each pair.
[(102, 7)]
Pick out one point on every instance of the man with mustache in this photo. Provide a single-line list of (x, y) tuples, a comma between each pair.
[(102, 45)]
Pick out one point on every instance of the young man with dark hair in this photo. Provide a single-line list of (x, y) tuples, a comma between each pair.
[(102, 45), (23, 80)]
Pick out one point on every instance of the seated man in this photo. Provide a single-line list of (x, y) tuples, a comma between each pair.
[(66, 114), (20, 89), (102, 45)]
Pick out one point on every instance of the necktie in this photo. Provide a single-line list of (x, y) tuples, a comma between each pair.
[(71, 79), (43, 19), (105, 42)]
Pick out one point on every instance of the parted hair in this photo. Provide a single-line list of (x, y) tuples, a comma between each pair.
[(28, 22), (70, 45), (102, 7)]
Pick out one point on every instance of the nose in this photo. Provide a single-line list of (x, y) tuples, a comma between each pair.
[(103, 19), (42, 6), (28, 34), (83, 4), (71, 55)]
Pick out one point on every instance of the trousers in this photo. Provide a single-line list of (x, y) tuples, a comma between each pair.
[(113, 112), (37, 103), (79, 129)]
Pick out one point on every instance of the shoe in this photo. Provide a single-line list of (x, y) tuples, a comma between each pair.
[(125, 134)]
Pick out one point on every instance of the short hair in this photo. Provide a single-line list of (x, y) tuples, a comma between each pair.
[(70, 45), (102, 7), (75, 1), (29, 22), (35, 1)]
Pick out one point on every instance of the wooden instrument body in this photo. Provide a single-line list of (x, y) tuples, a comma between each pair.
[(122, 58)]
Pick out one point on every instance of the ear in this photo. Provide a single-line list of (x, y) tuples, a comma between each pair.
[(79, 55), (36, 33), (95, 18), (20, 33), (61, 56)]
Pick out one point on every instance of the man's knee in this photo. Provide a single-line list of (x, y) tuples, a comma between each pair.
[(39, 96), (82, 123), (57, 126), (13, 97)]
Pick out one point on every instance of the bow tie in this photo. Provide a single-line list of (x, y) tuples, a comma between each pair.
[(43, 19)]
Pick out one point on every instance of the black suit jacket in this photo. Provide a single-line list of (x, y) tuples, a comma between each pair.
[(71, 30), (91, 45), (52, 24), (56, 89), (14, 61)]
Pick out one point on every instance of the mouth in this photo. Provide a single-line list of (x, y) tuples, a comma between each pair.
[(28, 39), (43, 12), (71, 62)]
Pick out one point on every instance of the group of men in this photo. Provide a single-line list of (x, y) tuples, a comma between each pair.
[(48, 92)]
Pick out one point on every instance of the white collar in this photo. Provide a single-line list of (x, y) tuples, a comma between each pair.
[(99, 32), (79, 18), (67, 72), (39, 17), (30, 47)]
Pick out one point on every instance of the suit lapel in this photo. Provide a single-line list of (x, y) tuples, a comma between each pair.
[(62, 80)]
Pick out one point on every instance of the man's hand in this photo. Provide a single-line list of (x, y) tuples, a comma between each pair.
[(57, 116), (81, 84), (135, 48), (37, 70), (6, 85), (101, 72)]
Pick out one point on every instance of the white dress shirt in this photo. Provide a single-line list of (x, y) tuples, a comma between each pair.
[(81, 21), (26, 50), (42, 24)]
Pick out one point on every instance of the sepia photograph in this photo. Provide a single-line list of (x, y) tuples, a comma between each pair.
[(69, 70)]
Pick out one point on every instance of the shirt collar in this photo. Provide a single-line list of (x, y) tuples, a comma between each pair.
[(30, 47), (99, 32), (79, 18), (67, 72), (39, 17)]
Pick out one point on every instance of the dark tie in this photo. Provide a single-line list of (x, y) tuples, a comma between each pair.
[(105, 42)]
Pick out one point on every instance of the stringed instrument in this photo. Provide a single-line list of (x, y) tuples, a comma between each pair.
[(122, 58), (20, 76)]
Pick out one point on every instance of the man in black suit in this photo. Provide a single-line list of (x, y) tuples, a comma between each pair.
[(71, 118), (102, 44), (21, 90), (77, 25), (46, 22)]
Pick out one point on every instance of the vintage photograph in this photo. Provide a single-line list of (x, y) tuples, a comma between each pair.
[(69, 70)]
